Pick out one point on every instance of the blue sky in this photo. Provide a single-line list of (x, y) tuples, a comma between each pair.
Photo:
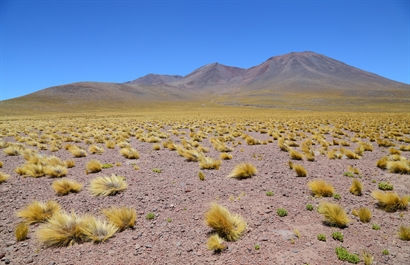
[(47, 43)]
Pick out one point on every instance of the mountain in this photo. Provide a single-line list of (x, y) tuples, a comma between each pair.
[(297, 80)]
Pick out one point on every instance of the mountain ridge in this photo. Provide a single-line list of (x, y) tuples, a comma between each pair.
[(290, 80)]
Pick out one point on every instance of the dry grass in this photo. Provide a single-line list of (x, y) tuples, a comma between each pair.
[(65, 186), (104, 186), (56, 171), (61, 230), (356, 187), (390, 201), (209, 163), (404, 233), (129, 153), (216, 243), (321, 188), (224, 223), (364, 214), (295, 155), (37, 212), (96, 230), (93, 166), (3, 177), (225, 156), (243, 171), (95, 149), (334, 214), (402, 167), (70, 163), (122, 218), (21, 231), (300, 170)]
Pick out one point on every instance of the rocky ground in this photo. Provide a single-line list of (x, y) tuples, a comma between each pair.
[(179, 200)]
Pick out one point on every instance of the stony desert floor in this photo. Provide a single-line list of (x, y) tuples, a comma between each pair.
[(166, 184)]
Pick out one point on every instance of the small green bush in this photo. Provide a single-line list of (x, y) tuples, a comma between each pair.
[(385, 186), (257, 247), (309, 207), (348, 174), (385, 252), (156, 170), (282, 212), (344, 255), (321, 237), (337, 236), (150, 216), (107, 166), (376, 227), (269, 193), (336, 196)]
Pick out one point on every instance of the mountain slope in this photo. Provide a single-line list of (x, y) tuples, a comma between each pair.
[(304, 80)]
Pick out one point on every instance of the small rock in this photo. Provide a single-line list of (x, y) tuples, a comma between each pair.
[(9, 243), (148, 246), (2, 254), (137, 246), (30, 260), (7, 261), (52, 263)]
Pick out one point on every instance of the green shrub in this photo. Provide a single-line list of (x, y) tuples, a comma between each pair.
[(337, 236), (282, 212), (156, 170), (385, 186), (376, 227), (321, 237), (385, 252), (344, 255), (336, 196), (107, 166), (257, 247), (309, 207), (150, 216), (269, 193)]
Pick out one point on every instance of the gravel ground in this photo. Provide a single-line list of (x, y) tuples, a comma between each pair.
[(178, 234)]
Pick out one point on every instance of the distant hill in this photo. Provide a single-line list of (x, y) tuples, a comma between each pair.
[(298, 80)]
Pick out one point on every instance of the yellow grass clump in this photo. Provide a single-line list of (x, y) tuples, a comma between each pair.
[(300, 170), (21, 231), (364, 214), (77, 151), (95, 149), (356, 187), (321, 188), (209, 163), (37, 212), (334, 214), (242, 171), (295, 155), (224, 223), (93, 166), (122, 218), (216, 243), (69, 163), (130, 153), (65, 186), (390, 201), (3, 177), (402, 167), (1, 164), (97, 230), (105, 186), (61, 230), (404, 233), (225, 156), (56, 171)]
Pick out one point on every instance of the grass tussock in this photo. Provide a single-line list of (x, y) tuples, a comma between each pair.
[(216, 243), (97, 230), (108, 185), (61, 230), (69, 163), (225, 156), (364, 214), (37, 212), (65, 186), (227, 225), (93, 166), (404, 233), (56, 171), (334, 214), (21, 231), (3, 177), (401, 167), (243, 171), (390, 201), (321, 188), (130, 153), (77, 151), (295, 155), (209, 163), (300, 170), (356, 187), (122, 218), (95, 149)]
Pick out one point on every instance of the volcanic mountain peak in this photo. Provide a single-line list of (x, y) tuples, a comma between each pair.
[(155, 79)]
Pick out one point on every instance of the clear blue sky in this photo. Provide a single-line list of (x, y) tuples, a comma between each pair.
[(47, 43)]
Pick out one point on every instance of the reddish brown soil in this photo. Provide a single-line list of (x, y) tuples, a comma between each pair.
[(178, 194)]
